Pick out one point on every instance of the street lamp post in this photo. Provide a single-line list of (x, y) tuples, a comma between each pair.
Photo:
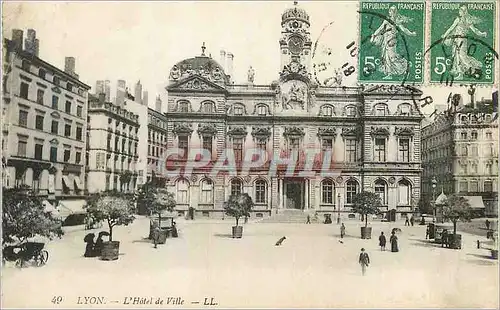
[(338, 208), (434, 184)]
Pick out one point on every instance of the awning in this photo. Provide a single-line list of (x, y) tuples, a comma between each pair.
[(78, 183), (476, 202), (68, 207), (66, 182)]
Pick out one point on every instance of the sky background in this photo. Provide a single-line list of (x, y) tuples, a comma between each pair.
[(143, 40)]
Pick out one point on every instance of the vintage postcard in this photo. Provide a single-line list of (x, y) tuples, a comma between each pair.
[(267, 154)]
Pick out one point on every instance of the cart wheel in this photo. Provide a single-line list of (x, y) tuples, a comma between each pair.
[(43, 257)]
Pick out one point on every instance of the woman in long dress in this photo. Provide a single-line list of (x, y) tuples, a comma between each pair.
[(394, 242), (391, 62), (456, 37)]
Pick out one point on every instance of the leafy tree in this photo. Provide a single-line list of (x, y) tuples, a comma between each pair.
[(366, 203), (457, 208), (24, 217), (238, 206), (425, 205), (113, 207), (156, 199)]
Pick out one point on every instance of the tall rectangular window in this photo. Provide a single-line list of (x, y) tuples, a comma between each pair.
[(463, 186), (78, 157), (79, 111), (262, 143), (404, 150), (21, 148), (53, 154), (55, 102), (67, 155), (24, 90), (183, 143), (67, 107), (79, 133), (379, 149), (238, 149), (23, 118), (39, 96), (207, 143), (327, 144), (39, 122), (54, 128), (67, 130), (350, 150)]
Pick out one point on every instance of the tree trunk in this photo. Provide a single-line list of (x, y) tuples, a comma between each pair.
[(237, 220), (366, 220), (454, 227), (110, 231), (159, 220)]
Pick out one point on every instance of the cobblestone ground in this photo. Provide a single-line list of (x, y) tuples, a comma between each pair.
[(311, 269)]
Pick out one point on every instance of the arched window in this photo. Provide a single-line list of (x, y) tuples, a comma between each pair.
[(207, 192), (351, 190), (381, 190), (260, 191), (327, 110), (238, 109), (350, 111), (404, 193), (262, 110), (381, 109), (236, 187), (208, 107), (183, 106), (327, 192), (182, 191)]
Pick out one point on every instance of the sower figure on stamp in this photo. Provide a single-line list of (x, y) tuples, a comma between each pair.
[(364, 260)]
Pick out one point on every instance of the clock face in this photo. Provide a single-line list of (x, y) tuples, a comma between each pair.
[(295, 44)]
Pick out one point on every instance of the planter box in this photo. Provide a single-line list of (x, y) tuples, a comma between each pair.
[(494, 254), (455, 241), (237, 231), (110, 250), (366, 232), (162, 236)]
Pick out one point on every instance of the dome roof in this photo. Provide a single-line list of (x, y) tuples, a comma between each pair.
[(295, 13), (441, 199), (201, 65)]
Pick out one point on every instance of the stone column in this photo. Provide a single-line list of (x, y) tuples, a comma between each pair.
[(280, 195), (306, 193)]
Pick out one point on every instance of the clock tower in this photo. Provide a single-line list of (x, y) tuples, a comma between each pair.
[(295, 42)]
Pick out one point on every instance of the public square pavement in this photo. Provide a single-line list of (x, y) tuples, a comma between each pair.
[(311, 269)]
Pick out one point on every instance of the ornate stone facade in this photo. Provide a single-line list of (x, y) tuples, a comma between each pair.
[(292, 116)]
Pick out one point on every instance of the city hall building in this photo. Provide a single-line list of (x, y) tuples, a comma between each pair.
[(373, 133)]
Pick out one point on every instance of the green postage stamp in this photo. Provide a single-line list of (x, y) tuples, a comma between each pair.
[(462, 42), (391, 42)]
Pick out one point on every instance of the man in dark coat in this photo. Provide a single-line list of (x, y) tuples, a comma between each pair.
[(382, 241), (342, 230), (394, 242), (364, 260)]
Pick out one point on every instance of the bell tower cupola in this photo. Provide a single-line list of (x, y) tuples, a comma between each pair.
[(295, 42)]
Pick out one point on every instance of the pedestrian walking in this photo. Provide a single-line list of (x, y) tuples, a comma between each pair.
[(382, 241), (407, 221), (156, 235), (444, 238), (412, 220), (487, 222), (308, 221), (342, 230), (364, 260), (427, 232), (394, 242)]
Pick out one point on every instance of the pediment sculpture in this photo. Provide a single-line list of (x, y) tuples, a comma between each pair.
[(207, 129), (294, 95), (182, 128), (404, 131), (237, 131), (294, 131), (261, 131), (327, 131), (350, 132), (379, 131)]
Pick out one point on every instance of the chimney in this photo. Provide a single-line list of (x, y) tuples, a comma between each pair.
[(223, 59), (107, 90), (30, 43), (69, 65), (36, 46), (99, 87), (145, 98), (102, 98), (229, 69), (17, 38), (120, 93), (158, 104), (138, 92)]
